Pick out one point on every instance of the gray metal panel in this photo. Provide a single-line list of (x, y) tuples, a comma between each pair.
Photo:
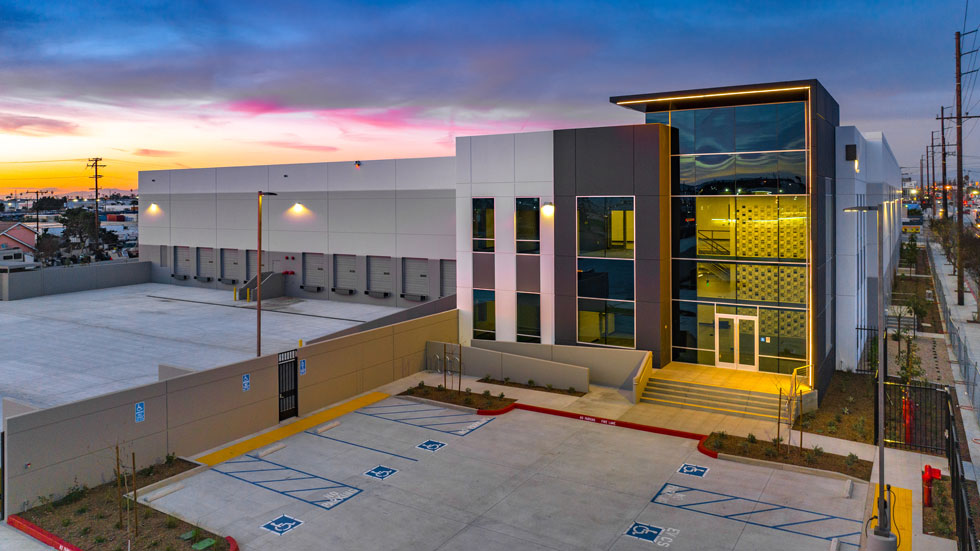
[(604, 161), (205, 262), (345, 271), (314, 269), (182, 261), (415, 276), (229, 263), (529, 273), (447, 278), (483, 271), (250, 262), (381, 274)]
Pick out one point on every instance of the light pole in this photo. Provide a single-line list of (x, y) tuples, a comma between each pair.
[(258, 281), (882, 539)]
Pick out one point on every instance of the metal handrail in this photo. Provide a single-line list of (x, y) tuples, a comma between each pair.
[(707, 237)]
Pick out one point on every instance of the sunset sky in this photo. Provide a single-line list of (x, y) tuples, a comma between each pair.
[(192, 84)]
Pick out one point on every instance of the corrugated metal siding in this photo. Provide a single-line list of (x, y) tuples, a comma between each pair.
[(345, 271), (381, 274), (415, 276), (314, 271), (447, 277)]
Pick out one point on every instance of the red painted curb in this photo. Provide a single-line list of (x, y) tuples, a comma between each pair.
[(232, 544), (40, 534), (701, 438)]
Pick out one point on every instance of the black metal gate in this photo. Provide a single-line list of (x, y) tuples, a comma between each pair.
[(915, 416), (868, 341), (288, 376)]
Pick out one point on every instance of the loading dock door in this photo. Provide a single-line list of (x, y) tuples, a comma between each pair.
[(314, 271), (251, 258), (447, 280), (229, 264), (415, 277), (381, 281), (205, 263), (345, 271), (182, 261)]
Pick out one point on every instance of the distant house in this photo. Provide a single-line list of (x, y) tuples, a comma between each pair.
[(16, 234)]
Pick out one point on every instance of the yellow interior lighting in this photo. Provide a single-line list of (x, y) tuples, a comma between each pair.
[(719, 94)]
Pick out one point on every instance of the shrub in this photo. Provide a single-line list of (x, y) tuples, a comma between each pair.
[(530, 382), (743, 447), (850, 399), (485, 379), (486, 393), (831, 427), (571, 389), (845, 411), (722, 435), (467, 401), (549, 387), (501, 396), (421, 384), (818, 451), (171, 522), (146, 472), (99, 539), (410, 390), (751, 438), (506, 379), (86, 530), (73, 494), (81, 510), (66, 522), (810, 457), (440, 387), (468, 390), (837, 418), (769, 452), (851, 459)]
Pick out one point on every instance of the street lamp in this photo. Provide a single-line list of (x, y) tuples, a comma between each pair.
[(882, 539), (258, 282)]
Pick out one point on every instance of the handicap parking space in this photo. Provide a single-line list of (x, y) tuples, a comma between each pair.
[(392, 476)]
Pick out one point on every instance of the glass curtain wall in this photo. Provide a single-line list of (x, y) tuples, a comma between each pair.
[(606, 298), (739, 235)]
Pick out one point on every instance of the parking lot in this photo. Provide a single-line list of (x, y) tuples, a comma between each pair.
[(398, 474)]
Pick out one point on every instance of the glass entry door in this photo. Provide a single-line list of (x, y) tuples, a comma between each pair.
[(737, 341)]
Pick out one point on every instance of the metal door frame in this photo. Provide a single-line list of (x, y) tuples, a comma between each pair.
[(288, 365), (736, 325)]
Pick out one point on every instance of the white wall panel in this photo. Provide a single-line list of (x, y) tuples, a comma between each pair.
[(534, 157), (311, 216), (464, 302), (425, 173), (193, 211), (535, 189), (547, 318), (345, 176), (154, 235), (547, 273), (243, 179), (361, 215), (505, 271), (295, 241), (492, 158), (506, 312), (361, 243), (463, 160), (425, 246), (238, 214), (464, 224), (192, 237), (503, 214), (426, 216), (497, 189), (238, 239), (194, 180), (159, 217), (304, 177), (464, 269), (154, 182)]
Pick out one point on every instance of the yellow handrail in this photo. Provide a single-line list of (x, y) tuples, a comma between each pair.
[(795, 384)]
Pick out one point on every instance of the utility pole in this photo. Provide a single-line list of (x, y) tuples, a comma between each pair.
[(959, 170), (932, 155), (942, 135), (921, 176), (95, 164)]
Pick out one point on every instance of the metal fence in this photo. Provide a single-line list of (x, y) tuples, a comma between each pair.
[(966, 537), (915, 416), (868, 341)]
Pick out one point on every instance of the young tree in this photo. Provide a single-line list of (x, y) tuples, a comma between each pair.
[(47, 246), (78, 223), (918, 307), (909, 362)]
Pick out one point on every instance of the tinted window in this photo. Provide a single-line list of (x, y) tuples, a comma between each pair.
[(755, 173), (484, 315), (528, 314), (605, 226), (757, 128), (662, 117), (683, 175), (606, 322), (685, 225), (528, 224), (483, 218), (792, 126), (714, 130), (715, 174), (683, 121), (602, 278), (792, 172)]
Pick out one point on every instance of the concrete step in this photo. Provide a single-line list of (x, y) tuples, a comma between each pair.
[(722, 393), (685, 405), (710, 402), (731, 401)]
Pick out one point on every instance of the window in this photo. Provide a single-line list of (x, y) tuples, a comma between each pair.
[(606, 322), (605, 278), (605, 227), (528, 317), (483, 224), (528, 225), (484, 315)]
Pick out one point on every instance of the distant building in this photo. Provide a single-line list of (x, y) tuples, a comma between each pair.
[(16, 234)]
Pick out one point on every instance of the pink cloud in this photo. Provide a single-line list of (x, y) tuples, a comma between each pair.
[(155, 153), (302, 146), (26, 125), (258, 107)]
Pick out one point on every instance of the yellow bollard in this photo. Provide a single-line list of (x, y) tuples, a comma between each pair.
[(301, 343), (234, 293), (248, 295)]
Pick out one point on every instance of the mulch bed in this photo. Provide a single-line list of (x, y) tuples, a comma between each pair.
[(89, 517), (905, 287), (766, 450), (456, 397), (940, 520), (570, 391), (847, 410)]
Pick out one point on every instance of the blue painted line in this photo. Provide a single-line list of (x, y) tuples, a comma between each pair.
[(407, 411), (435, 416), (360, 446), (675, 488), (256, 471), (337, 499), (283, 480), (447, 423), (401, 405), (240, 461), (454, 432)]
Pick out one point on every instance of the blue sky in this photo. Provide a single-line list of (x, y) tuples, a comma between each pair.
[(197, 84)]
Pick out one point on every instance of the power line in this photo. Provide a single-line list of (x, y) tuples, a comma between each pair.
[(44, 161)]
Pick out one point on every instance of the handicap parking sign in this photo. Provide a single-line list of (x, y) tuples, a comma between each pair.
[(693, 470), (140, 412), (302, 367), (644, 532), (246, 382), (282, 525), (381, 472), (431, 446)]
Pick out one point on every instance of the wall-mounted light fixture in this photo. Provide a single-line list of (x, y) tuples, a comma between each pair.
[(153, 208), (357, 164), (548, 209), (297, 209)]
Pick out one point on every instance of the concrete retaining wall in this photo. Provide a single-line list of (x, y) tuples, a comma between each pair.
[(49, 451), (480, 362), (607, 366), (70, 279)]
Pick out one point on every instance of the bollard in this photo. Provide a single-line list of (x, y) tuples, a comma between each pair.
[(928, 475), (248, 295), (234, 293), (300, 343)]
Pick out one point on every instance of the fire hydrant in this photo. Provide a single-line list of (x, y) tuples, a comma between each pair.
[(928, 476)]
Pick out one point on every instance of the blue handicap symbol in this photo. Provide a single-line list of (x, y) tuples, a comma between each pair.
[(140, 412), (431, 446), (693, 470), (381, 472), (644, 532), (282, 525), (302, 367), (246, 382)]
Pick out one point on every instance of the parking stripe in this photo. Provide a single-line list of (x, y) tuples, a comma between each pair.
[(359, 446)]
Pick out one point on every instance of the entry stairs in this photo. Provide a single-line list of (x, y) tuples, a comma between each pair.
[(716, 399)]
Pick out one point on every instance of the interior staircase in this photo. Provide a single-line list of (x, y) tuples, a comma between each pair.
[(730, 401)]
